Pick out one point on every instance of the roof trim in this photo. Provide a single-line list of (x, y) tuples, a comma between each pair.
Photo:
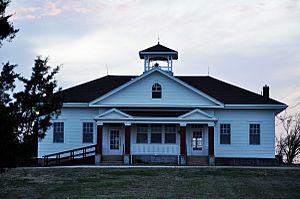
[(113, 110), (259, 106), (278, 107), (197, 111), (148, 73), (154, 53), (156, 105), (75, 104)]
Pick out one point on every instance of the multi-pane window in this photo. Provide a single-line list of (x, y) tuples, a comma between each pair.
[(197, 140), (170, 134), (156, 91), (254, 133), (225, 132), (114, 140), (142, 134), (156, 133), (87, 132), (58, 132)]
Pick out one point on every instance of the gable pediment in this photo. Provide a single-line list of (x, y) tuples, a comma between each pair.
[(113, 114), (138, 92), (197, 114)]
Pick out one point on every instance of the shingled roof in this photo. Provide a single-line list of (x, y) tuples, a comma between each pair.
[(220, 90), (160, 49)]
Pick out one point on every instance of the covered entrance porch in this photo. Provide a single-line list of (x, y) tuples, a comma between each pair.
[(154, 139)]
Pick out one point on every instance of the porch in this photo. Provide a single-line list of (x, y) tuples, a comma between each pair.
[(155, 143), (155, 132)]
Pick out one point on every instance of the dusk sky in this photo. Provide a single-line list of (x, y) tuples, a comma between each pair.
[(246, 43)]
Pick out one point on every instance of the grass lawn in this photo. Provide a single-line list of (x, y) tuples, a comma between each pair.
[(144, 183)]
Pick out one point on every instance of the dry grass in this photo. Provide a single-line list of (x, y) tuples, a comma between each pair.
[(144, 183)]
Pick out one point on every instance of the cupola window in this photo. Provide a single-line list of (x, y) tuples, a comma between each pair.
[(156, 91)]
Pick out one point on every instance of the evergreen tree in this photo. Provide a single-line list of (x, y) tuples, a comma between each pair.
[(8, 121), (7, 31), (8, 124), (37, 104), (24, 116)]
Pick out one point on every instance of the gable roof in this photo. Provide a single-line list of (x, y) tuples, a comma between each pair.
[(89, 91), (225, 92), (217, 89), (156, 70)]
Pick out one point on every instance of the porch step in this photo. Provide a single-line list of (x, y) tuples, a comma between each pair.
[(197, 160), (111, 160), (111, 163)]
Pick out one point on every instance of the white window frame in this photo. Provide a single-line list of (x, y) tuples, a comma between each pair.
[(120, 139), (255, 131), (137, 132), (83, 133), (225, 129), (62, 129), (161, 134), (165, 133), (161, 89)]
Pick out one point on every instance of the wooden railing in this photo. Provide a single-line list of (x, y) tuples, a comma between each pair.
[(59, 157)]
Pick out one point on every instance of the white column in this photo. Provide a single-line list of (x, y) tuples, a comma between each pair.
[(145, 64)]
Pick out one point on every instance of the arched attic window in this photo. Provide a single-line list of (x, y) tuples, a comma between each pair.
[(156, 91)]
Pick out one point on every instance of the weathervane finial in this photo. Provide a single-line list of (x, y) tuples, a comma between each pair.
[(158, 39)]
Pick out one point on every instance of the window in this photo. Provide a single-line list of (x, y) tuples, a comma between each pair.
[(87, 132), (225, 133), (156, 91), (197, 140), (156, 133), (58, 132), (254, 133), (114, 140), (142, 134), (170, 134)]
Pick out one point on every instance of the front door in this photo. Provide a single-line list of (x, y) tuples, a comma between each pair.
[(197, 142), (114, 142)]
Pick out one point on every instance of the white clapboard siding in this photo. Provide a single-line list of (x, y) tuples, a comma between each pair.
[(240, 147), (73, 119), (140, 92)]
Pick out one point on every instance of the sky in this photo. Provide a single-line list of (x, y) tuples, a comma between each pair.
[(248, 43)]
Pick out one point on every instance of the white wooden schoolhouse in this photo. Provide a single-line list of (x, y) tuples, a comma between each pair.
[(164, 118)]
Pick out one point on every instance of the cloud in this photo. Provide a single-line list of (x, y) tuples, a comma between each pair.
[(57, 7), (247, 43), (51, 9)]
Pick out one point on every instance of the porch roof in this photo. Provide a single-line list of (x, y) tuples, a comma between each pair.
[(195, 116), (155, 113)]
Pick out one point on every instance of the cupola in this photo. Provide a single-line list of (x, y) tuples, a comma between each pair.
[(158, 56)]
